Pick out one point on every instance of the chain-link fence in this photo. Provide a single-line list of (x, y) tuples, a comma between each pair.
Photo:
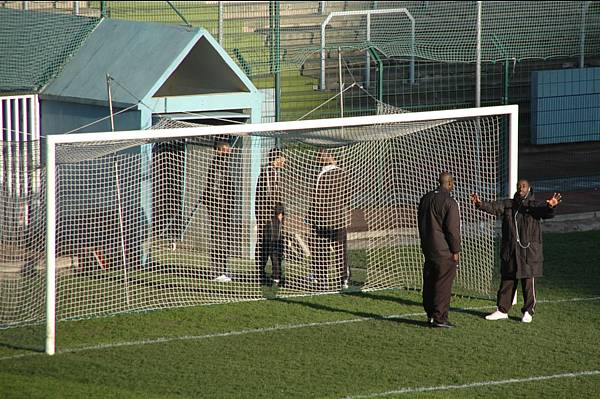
[(343, 58)]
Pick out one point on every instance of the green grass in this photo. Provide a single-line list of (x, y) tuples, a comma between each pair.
[(328, 346)]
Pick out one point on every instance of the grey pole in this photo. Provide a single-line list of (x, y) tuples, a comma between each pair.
[(478, 62), (221, 13), (584, 9)]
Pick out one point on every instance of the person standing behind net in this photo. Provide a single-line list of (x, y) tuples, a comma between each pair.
[(329, 216), (439, 230), (269, 194), (522, 251), (219, 202)]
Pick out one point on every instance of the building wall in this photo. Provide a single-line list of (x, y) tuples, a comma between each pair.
[(59, 117)]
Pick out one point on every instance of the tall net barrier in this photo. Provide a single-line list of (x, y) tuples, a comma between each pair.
[(22, 235), (157, 221), (381, 58)]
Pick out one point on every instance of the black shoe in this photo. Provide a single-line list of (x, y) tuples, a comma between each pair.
[(446, 324)]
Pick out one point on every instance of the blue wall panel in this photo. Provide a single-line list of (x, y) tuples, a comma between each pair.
[(565, 106)]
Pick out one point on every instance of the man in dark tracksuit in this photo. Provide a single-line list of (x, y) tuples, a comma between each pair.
[(439, 230), (329, 216), (219, 202), (522, 250), (269, 195)]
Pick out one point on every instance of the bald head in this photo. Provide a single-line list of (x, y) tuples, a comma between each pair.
[(446, 181)]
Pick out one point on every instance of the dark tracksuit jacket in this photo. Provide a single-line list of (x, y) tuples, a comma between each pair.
[(438, 220)]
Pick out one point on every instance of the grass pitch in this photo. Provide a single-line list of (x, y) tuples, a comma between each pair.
[(354, 345)]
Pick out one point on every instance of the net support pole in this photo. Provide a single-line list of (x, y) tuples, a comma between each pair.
[(341, 82), (122, 232), (513, 148), (584, 9), (110, 105), (220, 28), (50, 246), (368, 57), (478, 56)]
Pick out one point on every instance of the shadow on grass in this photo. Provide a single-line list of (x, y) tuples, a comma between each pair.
[(29, 348), (381, 296), (364, 315)]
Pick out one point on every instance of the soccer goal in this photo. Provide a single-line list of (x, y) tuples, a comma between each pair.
[(155, 219)]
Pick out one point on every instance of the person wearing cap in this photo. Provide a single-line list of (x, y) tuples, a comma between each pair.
[(219, 201), (438, 220), (269, 195)]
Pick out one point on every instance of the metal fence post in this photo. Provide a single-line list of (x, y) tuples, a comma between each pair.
[(104, 9), (584, 9), (478, 62), (220, 23)]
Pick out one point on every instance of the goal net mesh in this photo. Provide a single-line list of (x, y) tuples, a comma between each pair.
[(155, 223)]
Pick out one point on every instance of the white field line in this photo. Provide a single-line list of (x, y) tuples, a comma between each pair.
[(266, 330), (476, 384)]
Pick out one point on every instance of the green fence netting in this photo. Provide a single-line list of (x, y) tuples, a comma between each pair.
[(35, 45)]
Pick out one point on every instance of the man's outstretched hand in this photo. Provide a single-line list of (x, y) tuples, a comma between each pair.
[(554, 200), (475, 199)]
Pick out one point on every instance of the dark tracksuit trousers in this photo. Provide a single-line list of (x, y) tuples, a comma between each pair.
[(273, 249), (271, 245), (507, 290), (330, 248), (438, 276)]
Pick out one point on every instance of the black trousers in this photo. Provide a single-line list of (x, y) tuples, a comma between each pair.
[(269, 249), (438, 277), (221, 236), (507, 290), (330, 253)]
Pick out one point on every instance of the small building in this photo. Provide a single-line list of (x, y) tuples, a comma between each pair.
[(58, 71)]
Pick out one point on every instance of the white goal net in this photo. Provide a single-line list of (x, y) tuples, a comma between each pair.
[(187, 216)]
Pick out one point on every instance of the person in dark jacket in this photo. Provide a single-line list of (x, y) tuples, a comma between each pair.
[(329, 217), (522, 250), (439, 230), (273, 243), (219, 203), (269, 195)]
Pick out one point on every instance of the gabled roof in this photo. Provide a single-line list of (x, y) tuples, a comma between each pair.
[(145, 60), (34, 46)]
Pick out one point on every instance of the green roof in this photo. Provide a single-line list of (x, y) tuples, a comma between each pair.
[(34, 46)]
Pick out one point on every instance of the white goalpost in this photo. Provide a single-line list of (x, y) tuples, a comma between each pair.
[(155, 219)]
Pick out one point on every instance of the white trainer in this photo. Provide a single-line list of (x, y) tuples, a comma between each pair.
[(223, 278), (345, 284), (497, 315), (527, 318)]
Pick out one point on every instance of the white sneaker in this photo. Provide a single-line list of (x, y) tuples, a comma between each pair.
[(276, 282), (527, 318), (345, 284), (223, 278), (497, 315)]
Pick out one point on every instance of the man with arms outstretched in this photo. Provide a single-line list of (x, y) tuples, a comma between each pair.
[(522, 251)]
